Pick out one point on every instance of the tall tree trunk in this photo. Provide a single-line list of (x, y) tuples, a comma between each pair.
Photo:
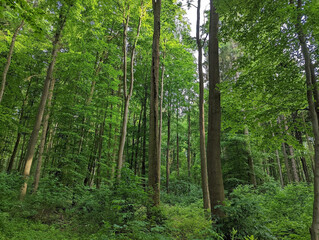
[(127, 96), (314, 230), (43, 137), (189, 143), (99, 158), (161, 110), (214, 168), (168, 148), (203, 161), (154, 170), (177, 146), (143, 167), (35, 132), (7, 66)]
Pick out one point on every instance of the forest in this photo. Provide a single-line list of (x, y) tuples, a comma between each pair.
[(117, 122)]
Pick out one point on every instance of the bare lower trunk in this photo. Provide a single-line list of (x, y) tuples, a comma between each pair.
[(203, 161), (214, 168), (43, 137), (38, 120), (7, 66), (154, 158)]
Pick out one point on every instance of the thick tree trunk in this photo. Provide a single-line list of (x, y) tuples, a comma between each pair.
[(35, 132), (214, 168), (154, 158), (43, 137), (203, 161), (7, 66)]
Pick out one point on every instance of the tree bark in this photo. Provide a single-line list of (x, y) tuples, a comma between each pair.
[(204, 179), (43, 137), (154, 158), (7, 66), (35, 132), (214, 168)]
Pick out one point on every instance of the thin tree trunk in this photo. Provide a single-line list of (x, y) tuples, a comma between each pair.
[(7, 66), (16, 145), (177, 146), (138, 141), (127, 96), (284, 151), (189, 144), (154, 172), (302, 158), (43, 137), (168, 148), (206, 200), (214, 168), (161, 110), (143, 170), (291, 152), (279, 169), (250, 160), (310, 146), (35, 132)]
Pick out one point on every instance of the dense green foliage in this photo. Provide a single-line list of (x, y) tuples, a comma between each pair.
[(267, 142)]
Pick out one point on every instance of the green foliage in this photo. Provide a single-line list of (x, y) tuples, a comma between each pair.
[(269, 212), (189, 222)]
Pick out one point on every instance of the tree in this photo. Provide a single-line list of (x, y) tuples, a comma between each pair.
[(34, 136), (154, 158), (215, 178), (203, 160)]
